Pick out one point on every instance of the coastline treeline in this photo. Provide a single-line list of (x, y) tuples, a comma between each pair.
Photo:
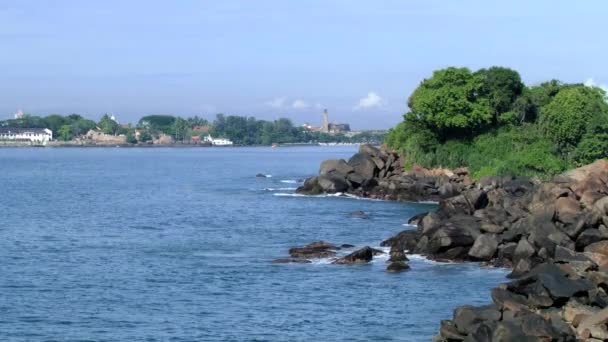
[(240, 129), (491, 122)]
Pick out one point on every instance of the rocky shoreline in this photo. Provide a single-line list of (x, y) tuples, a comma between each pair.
[(552, 234)]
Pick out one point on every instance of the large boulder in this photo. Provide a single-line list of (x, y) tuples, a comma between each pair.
[(337, 167), (484, 247), (448, 237), (467, 318), (568, 209), (360, 256), (598, 252), (332, 184), (310, 187), (364, 168)]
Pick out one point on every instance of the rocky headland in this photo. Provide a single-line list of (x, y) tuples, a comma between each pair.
[(553, 235)]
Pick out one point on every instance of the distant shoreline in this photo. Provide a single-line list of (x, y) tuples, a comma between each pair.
[(164, 145)]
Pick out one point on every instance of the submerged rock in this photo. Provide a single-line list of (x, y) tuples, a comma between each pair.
[(359, 214), (317, 249)]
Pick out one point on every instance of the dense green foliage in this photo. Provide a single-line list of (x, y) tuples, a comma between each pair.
[(241, 130), (250, 131), (491, 122), (64, 127)]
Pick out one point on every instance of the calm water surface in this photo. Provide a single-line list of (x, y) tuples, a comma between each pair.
[(176, 245)]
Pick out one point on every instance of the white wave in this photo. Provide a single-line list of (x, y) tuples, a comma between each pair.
[(279, 189), (290, 181), (283, 194), (419, 257), (428, 202), (337, 195), (410, 225)]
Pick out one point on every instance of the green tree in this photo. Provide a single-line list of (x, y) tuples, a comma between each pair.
[(108, 125), (450, 104), (161, 123), (145, 136), (65, 133), (180, 129), (572, 113), (501, 86), (55, 122), (131, 137)]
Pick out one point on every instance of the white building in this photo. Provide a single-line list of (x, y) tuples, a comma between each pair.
[(36, 135), (218, 141)]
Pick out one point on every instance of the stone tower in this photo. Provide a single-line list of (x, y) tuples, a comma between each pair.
[(325, 122)]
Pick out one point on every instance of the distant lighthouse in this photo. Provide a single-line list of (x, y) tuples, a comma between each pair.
[(325, 121)]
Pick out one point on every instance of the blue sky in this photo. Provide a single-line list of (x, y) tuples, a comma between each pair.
[(271, 59)]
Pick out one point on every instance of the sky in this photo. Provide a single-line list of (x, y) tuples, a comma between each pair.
[(278, 58)]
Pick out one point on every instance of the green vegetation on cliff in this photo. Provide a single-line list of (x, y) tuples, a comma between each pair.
[(489, 121)]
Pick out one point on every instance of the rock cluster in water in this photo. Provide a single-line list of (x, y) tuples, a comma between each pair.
[(378, 173), (553, 235), (322, 250)]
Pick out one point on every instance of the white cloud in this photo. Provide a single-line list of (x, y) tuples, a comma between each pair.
[(318, 105), (590, 82), (278, 102), (300, 104), (372, 100)]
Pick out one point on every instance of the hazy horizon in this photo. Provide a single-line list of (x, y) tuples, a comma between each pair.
[(272, 59)]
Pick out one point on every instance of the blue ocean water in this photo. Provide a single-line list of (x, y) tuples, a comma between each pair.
[(153, 244)]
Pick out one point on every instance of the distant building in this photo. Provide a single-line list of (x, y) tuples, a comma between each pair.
[(218, 141), (338, 128), (36, 135), (328, 127), (19, 114)]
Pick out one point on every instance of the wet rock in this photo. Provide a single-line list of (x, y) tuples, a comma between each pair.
[(332, 184), (317, 249), (362, 255), (397, 254), (397, 266), (414, 220), (405, 240)]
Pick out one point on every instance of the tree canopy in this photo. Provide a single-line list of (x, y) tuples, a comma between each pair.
[(449, 103), (491, 122)]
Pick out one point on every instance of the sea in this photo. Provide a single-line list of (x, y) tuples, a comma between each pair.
[(176, 244)]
